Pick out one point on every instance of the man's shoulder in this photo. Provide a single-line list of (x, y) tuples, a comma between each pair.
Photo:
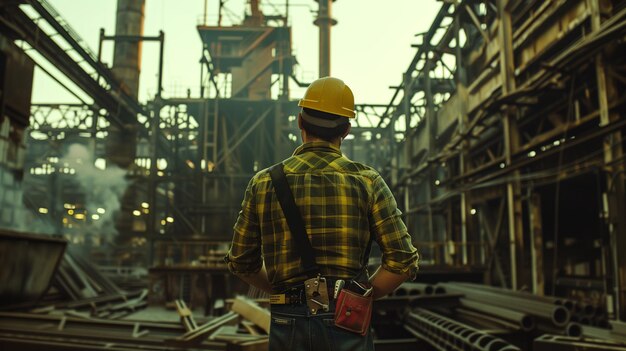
[(342, 164), (349, 166)]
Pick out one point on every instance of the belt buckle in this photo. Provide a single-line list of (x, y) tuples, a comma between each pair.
[(316, 292)]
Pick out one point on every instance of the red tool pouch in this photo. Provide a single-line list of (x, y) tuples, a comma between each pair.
[(353, 311)]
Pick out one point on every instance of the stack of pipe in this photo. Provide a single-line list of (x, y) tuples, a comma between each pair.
[(524, 309), (588, 314), (583, 313), (446, 334), (414, 289)]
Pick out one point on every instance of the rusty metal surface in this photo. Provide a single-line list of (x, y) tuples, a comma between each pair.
[(28, 262), (16, 73)]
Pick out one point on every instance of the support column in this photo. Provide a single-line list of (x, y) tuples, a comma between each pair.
[(431, 131), (461, 82), (511, 144), (153, 179), (536, 243)]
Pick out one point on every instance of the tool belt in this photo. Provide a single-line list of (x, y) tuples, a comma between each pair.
[(354, 298), (296, 294)]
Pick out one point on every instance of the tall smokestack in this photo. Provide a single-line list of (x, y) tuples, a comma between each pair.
[(324, 21), (256, 16), (127, 54), (121, 142)]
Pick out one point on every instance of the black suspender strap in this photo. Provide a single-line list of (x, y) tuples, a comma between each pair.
[(294, 219)]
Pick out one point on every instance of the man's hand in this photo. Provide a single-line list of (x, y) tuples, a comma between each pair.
[(384, 282), (259, 280)]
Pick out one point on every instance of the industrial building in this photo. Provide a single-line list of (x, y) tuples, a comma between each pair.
[(503, 143)]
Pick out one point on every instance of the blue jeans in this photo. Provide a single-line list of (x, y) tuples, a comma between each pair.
[(293, 327)]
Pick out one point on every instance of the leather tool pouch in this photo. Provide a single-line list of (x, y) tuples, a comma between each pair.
[(353, 311)]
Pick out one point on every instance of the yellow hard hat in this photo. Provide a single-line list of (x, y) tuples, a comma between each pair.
[(330, 95)]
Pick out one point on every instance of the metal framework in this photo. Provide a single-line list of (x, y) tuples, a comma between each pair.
[(513, 154)]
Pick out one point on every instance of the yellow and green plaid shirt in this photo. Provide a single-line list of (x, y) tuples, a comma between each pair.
[(342, 203)]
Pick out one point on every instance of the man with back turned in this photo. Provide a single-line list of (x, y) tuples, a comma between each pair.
[(343, 205)]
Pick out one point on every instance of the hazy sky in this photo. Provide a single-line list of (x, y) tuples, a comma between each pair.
[(371, 44)]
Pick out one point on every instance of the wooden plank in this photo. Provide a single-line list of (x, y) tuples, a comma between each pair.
[(202, 332), (258, 345), (252, 312)]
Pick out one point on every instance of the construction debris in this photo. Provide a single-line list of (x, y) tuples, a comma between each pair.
[(252, 312)]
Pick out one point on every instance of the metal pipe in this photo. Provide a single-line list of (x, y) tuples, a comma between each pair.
[(574, 329), (525, 321), (522, 294), (559, 315), (485, 321), (421, 288), (161, 49)]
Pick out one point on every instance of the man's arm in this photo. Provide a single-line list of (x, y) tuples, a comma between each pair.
[(244, 258), (385, 282), (399, 256), (259, 280)]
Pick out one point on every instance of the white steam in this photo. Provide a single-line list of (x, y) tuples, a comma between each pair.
[(103, 189)]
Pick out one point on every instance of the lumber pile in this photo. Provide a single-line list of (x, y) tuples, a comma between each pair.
[(245, 327)]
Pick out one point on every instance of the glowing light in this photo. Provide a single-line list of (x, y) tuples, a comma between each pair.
[(100, 163), (170, 219), (145, 205), (437, 182), (70, 212), (95, 217), (473, 211), (532, 154), (43, 210), (100, 210), (69, 206), (137, 213), (79, 216), (163, 222)]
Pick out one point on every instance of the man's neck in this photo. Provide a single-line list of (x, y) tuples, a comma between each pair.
[(310, 139)]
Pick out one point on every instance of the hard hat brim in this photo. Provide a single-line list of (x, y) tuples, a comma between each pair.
[(323, 122)]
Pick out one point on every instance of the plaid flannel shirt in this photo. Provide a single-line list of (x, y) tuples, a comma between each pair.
[(342, 203)]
